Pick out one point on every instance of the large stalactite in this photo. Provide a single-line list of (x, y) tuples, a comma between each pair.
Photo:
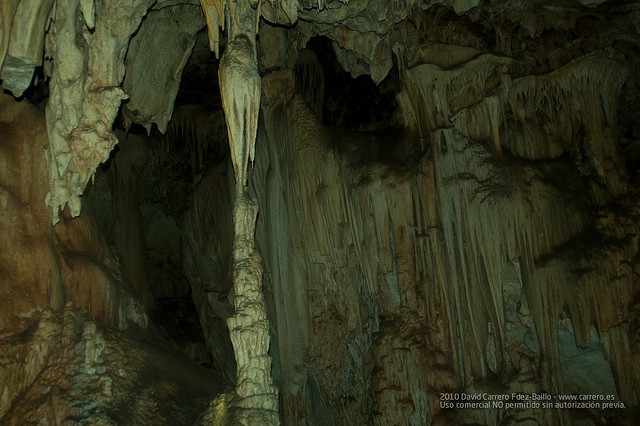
[(87, 46)]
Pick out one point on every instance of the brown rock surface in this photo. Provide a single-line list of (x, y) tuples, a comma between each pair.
[(417, 203)]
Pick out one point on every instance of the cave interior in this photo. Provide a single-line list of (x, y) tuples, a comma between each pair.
[(321, 212)]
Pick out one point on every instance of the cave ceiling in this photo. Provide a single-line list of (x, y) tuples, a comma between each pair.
[(97, 56)]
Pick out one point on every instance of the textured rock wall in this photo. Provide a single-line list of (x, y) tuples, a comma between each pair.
[(155, 60), (476, 243), (391, 282), (68, 368), (46, 266), (74, 342), (45, 269), (472, 248)]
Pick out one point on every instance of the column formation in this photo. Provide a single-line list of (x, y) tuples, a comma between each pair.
[(256, 397)]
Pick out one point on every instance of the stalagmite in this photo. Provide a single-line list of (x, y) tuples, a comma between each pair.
[(256, 397)]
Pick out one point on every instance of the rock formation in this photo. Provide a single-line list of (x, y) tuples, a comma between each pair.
[(240, 85), (319, 212)]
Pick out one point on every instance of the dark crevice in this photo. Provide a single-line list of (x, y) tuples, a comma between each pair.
[(354, 103)]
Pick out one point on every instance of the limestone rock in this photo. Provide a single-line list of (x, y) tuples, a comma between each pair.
[(21, 42), (370, 204), (46, 267), (80, 372), (155, 60), (85, 93)]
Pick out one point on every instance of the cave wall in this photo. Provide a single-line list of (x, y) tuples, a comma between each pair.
[(431, 279), (471, 249), (77, 343), (46, 266)]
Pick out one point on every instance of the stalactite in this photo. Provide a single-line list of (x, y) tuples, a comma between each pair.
[(215, 15), (129, 239), (85, 93), (240, 88)]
